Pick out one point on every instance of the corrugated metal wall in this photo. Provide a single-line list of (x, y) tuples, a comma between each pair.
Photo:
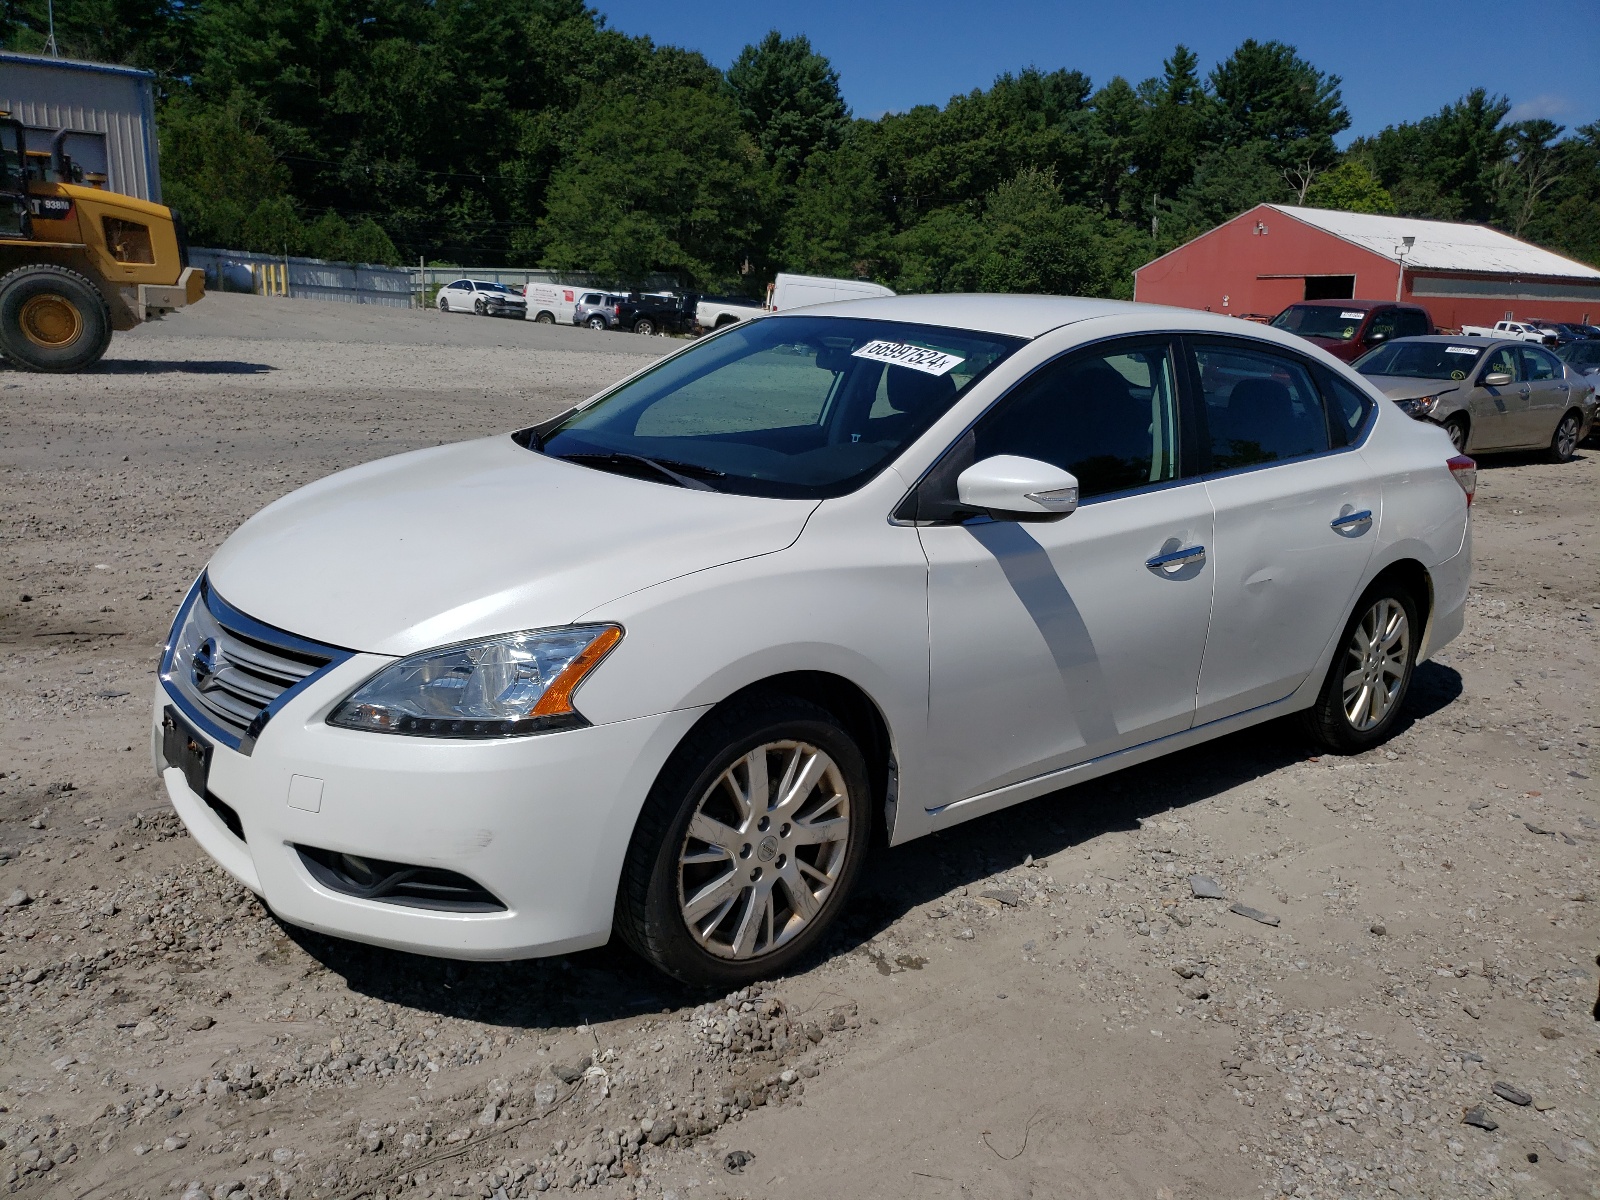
[(119, 105)]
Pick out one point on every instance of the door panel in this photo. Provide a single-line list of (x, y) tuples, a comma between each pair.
[(1295, 527), (1498, 412), (1052, 642), (1547, 396)]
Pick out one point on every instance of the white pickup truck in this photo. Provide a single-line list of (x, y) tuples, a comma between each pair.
[(1514, 331), (713, 312)]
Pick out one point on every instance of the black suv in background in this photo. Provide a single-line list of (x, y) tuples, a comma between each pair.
[(655, 313)]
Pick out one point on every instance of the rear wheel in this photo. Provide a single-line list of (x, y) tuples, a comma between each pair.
[(444, 305), (1456, 427), (1370, 674), (1564, 441), (645, 326), (52, 319), (748, 844)]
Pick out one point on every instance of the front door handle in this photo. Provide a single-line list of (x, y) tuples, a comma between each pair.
[(1167, 563), (1351, 519)]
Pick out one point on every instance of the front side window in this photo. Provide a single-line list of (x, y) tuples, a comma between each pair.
[(1537, 365), (460, 285), (1260, 407), (1108, 417), (1502, 361), (1384, 324), (128, 241), (803, 407)]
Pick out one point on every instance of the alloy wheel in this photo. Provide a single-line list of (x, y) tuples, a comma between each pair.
[(1378, 656), (764, 850), (1567, 437)]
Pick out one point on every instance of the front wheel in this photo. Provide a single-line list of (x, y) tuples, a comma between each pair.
[(1370, 674), (596, 322), (545, 318), (481, 307), (52, 319), (1564, 441), (1457, 429), (748, 844)]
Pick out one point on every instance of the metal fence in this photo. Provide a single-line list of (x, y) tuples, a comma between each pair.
[(306, 278), (365, 283)]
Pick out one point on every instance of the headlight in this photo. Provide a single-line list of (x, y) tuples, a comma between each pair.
[(506, 686), (1419, 407)]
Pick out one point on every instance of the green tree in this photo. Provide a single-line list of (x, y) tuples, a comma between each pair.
[(789, 101), (1350, 187), (1268, 95), (669, 182), (217, 167), (1445, 166), (1227, 182), (1173, 130), (834, 222), (273, 227)]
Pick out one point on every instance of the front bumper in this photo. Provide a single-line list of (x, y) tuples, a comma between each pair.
[(541, 822), (157, 300)]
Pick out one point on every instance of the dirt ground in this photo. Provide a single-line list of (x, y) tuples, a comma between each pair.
[(1034, 1005)]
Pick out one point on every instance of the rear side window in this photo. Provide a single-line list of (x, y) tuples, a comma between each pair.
[(1260, 408), (1538, 365), (1384, 324), (1412, 323), (1348, 407), (1109, 417)]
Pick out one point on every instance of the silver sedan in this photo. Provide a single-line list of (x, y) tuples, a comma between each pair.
[(1488, 396)]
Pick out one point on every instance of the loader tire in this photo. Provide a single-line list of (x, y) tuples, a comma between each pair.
[(52, 319)]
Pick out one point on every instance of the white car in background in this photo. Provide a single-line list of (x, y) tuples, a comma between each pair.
[(887, 565), (484, 299)]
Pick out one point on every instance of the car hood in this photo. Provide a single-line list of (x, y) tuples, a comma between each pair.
[(1403, 387), (475, 539)]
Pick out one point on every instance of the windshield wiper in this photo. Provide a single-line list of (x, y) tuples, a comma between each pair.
[(617, 458)]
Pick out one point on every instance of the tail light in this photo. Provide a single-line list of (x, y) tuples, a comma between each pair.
[(1465, 472), (616, 310)]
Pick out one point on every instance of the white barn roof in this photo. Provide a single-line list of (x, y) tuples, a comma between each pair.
[(1441, 245)]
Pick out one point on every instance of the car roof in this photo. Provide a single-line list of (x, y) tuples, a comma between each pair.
[(1460, 339), (1363, 305)]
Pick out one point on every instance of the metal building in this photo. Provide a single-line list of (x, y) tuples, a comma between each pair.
[(109, 112), (1276, 254)]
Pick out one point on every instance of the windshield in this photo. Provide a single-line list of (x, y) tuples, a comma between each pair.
[(1323, 321), (804, 407), (1420, 360)]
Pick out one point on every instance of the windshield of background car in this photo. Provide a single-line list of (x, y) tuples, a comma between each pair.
[(1318, 320), (1421, 360), (804, 407)]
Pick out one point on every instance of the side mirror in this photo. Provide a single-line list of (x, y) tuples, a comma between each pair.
[(1497, 379), (1009, 485)]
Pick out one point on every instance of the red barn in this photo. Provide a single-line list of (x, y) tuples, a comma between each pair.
[(1276, 254)]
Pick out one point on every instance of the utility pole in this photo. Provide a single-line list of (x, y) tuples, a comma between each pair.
[(50, 46), (1403, 249)]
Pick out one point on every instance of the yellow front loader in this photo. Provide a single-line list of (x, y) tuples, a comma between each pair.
[(77, 262)]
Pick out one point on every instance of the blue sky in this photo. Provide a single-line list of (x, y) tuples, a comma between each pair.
[(1399, 60)]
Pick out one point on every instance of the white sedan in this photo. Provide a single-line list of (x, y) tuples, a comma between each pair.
[(661, 665)]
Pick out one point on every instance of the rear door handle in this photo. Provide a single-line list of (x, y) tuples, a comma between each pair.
[(1165, 563), (1349, 519)]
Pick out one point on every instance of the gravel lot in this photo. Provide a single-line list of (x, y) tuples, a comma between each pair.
[(1035, 1005)]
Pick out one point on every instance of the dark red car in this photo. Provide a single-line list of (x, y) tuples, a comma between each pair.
[(1347, 329)]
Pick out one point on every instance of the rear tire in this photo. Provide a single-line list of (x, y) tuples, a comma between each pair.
[(52, 319), (1564, 441), (645, 326), (1456, 427), (718, 893), (1370, 674), (444, 305)]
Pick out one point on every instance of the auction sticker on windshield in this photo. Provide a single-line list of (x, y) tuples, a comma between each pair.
[(918, 358), (1461, 350), (1355, 316)]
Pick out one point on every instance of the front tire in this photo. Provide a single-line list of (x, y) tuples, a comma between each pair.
[(748, 844), (596, 322), (52, 319), (545, 318), (1370, 674), (1564, 441), (481, 307), (1456, 427)]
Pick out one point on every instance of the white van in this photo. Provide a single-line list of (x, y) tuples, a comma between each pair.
[(551, 303), (797, 291)]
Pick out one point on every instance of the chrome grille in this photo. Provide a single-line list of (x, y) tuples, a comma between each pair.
[(230, 673)]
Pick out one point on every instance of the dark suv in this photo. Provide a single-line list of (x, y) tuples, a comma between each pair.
[(1347, 329), (656, 313)]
